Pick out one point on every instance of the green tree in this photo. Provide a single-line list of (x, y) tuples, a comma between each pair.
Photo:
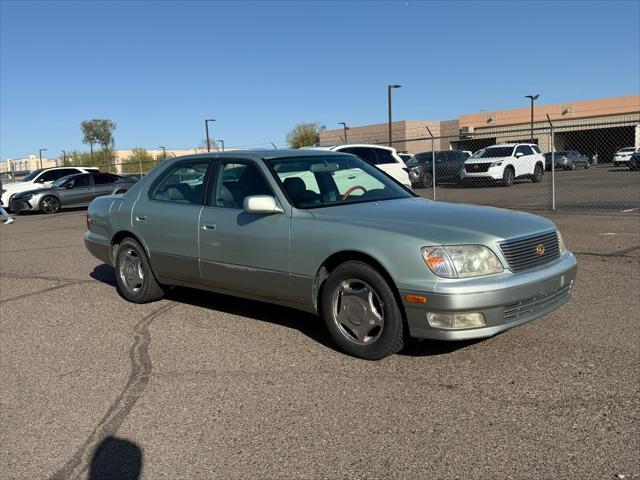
[(304, 134), (100, 131), (139, 160)]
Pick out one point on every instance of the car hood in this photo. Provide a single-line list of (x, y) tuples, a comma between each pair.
[(35, 191), (437, 223), (486, 160), (22, 187)]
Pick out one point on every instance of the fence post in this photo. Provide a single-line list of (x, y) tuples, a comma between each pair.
[(140, 162), (553, 167), (433, 164)]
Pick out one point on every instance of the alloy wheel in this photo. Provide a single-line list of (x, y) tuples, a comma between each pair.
[(358, 311), (130, 271)]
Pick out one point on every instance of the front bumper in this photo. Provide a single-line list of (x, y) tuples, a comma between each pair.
[(494, 173), (20, 205), (504, 304)]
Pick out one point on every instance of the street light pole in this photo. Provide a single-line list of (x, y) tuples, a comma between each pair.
[(222, 143), (532, 98), (206, 127), (40, 153), (344, 126), (164, 153), (389, 87)]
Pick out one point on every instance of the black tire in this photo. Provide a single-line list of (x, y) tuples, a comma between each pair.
[(508, 176), (615, 164), (538, 173), (572, 166), (49, 204), (426, 180), (148, 290), (384, 340), (587, 165)]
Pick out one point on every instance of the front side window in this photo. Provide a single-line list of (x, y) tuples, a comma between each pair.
[(80, 181), (183, 183), (314, 182), (51, 175), (235, 182)]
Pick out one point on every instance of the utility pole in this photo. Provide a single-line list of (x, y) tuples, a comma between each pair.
[(389, 87), (206, 128), (533, 98)]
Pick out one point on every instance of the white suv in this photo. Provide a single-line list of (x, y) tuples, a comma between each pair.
[(623, 155), (505, 163), (384, 158), (41, 178)]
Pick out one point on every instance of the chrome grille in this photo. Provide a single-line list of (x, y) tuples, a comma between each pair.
[(533, 305), (524, 253)]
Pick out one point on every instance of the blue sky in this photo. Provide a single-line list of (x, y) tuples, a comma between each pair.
[(159, 68)]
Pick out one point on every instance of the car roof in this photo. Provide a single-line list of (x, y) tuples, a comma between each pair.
[(262, 154), (348, 145), (511, 145)]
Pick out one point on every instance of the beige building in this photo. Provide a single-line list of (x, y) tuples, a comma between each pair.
[(600, 126)]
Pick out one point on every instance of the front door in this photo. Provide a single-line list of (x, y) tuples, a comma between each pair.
[(239, 251), (76, 192), (166, 217)]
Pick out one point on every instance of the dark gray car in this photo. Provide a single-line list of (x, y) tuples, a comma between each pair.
[(448, 166), (71, 191), (568, 160)]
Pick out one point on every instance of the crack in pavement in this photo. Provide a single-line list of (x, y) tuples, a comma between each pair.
[(141, 368), (38, 292), (620, 253)]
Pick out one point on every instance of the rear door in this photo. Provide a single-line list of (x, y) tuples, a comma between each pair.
[(103, 184)]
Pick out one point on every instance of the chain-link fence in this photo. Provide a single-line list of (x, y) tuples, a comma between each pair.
[(569, 166)]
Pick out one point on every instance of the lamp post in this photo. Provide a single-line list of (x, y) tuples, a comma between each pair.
[(91, 147), (533, 98), (164, 153), (206, 127), (344, 126), (64, 157), (389, 87), (40, 153), (221, 143)]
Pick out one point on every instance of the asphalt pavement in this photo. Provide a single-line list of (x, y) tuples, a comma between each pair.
[(208, 386)]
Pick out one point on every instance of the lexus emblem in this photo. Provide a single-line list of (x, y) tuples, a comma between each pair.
[(540, 249)]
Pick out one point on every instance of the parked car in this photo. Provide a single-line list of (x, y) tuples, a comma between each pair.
[(40, 178), (405, 157), (384, 158), (448, 166), (568, 160), (378, 264), (634, 161), (622, 156), (506, 163), (72, 191)]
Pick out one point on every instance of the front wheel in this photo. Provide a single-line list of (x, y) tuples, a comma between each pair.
[(49, 204), (537, 174), (426, 180), (508, 176), (361, 313), (134, 277)]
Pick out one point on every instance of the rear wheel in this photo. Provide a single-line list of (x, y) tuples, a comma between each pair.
[(134, 277), (426, 180), (361, 313), (508, 176), (537, 173), (49, 204), (572, 166)]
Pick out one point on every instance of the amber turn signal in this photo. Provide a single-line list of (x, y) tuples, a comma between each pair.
[(415, 299)]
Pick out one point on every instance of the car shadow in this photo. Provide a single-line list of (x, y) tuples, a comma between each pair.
[(306, 323), (116, 458)]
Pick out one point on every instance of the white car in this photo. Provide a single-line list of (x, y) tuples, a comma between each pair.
[(41, 178), (623, 155), (505, 163), (384, 158)]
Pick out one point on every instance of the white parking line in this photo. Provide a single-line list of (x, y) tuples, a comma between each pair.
[(629, 210)]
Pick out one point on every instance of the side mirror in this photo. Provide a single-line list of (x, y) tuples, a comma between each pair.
[(519, 154), (40, 180), (68, 185), (265, 204)]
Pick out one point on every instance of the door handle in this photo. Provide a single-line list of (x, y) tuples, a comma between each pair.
[(141, 218), (208, 227), (351, 177)]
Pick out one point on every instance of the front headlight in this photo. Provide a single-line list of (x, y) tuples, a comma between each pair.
[(563, 247), (26, 197), (496, 164), (461, 261)]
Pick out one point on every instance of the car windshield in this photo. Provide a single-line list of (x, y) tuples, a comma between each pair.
[(494, 152), (32, 175), (61, 180), (314, 182)]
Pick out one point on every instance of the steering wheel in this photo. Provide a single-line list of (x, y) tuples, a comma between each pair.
[(350, 191)]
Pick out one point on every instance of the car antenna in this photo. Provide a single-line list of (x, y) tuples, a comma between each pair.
[(274, 146)]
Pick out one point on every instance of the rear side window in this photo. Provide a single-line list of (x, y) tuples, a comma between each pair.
[(366, 154), (384, 156), (536, 149), (101, 179), (182, 183), (524, 149)]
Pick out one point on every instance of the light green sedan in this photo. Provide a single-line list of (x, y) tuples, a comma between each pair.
[(327, 233)]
